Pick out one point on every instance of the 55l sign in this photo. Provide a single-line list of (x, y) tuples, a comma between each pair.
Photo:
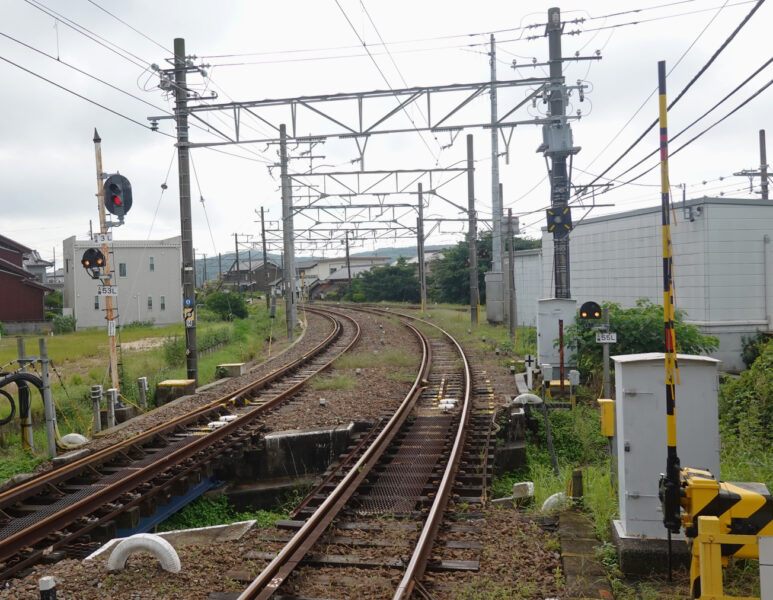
[(606, 337)]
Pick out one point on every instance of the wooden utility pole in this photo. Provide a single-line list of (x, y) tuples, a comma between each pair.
[(107, 280)]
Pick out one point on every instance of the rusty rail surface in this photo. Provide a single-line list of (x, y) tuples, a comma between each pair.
[(191, 455), (273, 575)]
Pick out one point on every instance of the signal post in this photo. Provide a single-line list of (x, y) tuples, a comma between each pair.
[(107, 280)]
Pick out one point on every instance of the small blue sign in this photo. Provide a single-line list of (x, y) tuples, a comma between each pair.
[(187, 302)]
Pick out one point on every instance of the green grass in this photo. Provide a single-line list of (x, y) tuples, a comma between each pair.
[(206, 512), (81, 360), (387, 357), (335, 382)]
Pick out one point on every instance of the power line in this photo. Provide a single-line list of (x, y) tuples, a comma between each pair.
[(82, 97), (704, 115), (378, 68), (636, 10), (89, 34), (684, 14), (130, 27), (695, 78)]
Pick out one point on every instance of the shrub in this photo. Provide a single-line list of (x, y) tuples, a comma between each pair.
[(752, 347), (139, 324), (227, 306), (746, 403), (639, 329), (63, 324)]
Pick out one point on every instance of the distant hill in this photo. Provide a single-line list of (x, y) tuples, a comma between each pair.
[(227, 259)]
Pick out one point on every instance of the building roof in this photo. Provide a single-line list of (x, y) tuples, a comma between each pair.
[(26, 277), (33, 259), (9, 243), (677, 204), (343, 274)]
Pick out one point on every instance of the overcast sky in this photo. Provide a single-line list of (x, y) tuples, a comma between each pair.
[(294, 48)]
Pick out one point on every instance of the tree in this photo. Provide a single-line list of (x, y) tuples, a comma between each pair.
[(395, 283), (449, 279), (639, 329), (227, 306)]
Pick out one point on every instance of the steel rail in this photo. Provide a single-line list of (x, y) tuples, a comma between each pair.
[(418, 563), (31, 535), (56, 476), (272, 576)]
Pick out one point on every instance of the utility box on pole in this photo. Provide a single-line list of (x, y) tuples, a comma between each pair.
[(640, 432), (549, 312)]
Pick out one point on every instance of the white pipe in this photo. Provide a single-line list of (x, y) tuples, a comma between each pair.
[(145, 542)]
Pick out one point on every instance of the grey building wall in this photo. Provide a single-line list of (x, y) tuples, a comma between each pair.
[(145, 293), (722, 265)]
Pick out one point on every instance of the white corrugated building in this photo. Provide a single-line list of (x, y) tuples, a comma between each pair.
[(148, 276), (722, 265)]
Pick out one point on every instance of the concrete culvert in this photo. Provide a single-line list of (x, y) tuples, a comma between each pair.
[(145, 542)]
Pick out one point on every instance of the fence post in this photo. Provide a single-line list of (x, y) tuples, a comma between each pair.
[(112, 398), (25, 418), (48, 401), (96, 404), (142, 386)]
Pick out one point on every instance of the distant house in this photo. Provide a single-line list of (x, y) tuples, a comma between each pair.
[(256, 279), (335, 282), (322, 268), (429, 258), (21, 294), (148, 276), (37, 266)]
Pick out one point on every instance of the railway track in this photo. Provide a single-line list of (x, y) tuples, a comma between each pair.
[(68, 509), (382, 506)]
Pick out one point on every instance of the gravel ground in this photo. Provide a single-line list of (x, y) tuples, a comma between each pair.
[(318, 329), (517, 559)]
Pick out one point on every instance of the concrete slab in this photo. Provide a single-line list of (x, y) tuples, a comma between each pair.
[(585, 575), (188, 537)]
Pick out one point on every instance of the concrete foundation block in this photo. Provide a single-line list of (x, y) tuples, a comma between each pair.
[(171, 389), (509, 457), (230, 370), (641, 556)]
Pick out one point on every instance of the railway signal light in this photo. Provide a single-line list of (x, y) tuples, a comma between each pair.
[(559, 220), (118, 195), (590, 311), (93, 261)]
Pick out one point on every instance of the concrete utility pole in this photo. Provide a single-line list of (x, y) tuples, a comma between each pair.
[(420, 250), (496, 198), (219, 266), (559, 147), (287, 230), (205, 268), (511, 275), (348, 263), (183, 166), (107, 280), (472, 233), (763, 171), (763, 166), (236, 249), (265, 257)]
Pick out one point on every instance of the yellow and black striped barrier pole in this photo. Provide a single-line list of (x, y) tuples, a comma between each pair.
[(669, 483)]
